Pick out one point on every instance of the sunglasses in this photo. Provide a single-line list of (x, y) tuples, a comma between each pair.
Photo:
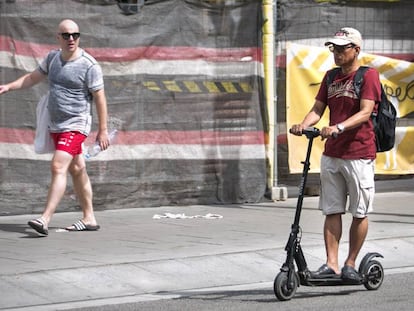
[(67, 35), (340, 48)]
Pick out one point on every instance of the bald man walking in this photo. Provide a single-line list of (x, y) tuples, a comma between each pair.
[(75, 82)]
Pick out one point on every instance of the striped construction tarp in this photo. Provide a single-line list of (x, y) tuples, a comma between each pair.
[(183, 81)]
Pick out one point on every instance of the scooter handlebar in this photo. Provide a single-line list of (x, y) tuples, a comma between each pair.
[(312, 132)]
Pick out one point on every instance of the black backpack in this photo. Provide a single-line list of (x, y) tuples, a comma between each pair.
[(384, 120)]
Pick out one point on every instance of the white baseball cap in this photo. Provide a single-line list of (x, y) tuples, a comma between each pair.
[(346, 36)]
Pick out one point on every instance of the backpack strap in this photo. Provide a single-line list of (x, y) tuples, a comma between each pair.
[(359, 77), (331, 75)]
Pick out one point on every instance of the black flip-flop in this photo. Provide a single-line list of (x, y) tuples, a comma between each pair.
[(39, 225), (324, 271), (81, 226), (350, 274)]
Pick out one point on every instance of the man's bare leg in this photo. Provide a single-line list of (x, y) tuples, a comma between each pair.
[(83, 189), (59, 169), (357, 234), (332, 236)]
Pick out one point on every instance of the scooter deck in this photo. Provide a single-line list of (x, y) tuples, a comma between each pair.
[(329, 281)]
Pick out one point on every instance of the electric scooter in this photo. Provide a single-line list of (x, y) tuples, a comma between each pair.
[(371, 272)]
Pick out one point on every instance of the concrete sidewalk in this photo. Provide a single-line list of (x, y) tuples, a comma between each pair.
[(135, 255)]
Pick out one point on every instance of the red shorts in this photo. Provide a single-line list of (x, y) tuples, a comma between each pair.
[(71, 142)]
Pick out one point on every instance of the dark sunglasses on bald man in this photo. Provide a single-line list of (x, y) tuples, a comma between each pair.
[(66, 35)]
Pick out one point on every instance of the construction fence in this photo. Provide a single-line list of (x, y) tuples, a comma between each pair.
[(185, 86)]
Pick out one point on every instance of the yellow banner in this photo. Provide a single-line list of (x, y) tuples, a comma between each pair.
[(306, 66)]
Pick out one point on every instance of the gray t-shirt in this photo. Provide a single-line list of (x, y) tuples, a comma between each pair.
[(70, 91)]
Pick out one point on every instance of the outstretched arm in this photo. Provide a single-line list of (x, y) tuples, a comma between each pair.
[(25, 81)]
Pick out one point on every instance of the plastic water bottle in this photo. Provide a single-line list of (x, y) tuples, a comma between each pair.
[(95, 149)]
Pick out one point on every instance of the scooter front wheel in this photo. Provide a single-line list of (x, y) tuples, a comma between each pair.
[(374, 275), (285, 290)]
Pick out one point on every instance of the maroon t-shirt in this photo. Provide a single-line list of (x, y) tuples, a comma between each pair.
[(359, 142)]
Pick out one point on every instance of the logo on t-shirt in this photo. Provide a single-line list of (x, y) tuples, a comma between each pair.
[(342, 89)]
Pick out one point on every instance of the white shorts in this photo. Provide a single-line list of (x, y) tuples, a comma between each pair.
[(341, 179)]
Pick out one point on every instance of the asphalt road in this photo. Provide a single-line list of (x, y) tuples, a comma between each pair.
[(396, 293), (137, 256)]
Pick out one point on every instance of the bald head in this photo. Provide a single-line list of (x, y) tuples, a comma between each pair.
[(68, 38), (68, 25)]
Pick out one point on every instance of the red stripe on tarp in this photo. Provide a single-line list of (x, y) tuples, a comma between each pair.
[(19, 136), (22, 136), (281, 139), (110, 54), (409, 57), (18, 47)]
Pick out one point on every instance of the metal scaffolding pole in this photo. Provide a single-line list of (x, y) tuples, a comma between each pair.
[(269, 31)]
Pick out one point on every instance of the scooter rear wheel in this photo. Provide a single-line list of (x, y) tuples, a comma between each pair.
[(282, 289), (374, 275)]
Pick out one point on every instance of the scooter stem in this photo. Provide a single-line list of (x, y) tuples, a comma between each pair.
[(310, 134)]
